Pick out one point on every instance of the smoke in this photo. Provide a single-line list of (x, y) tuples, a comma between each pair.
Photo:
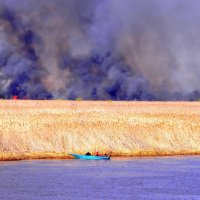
[(99, 49)]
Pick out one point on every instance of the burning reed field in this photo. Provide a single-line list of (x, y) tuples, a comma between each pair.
[(51, 129)]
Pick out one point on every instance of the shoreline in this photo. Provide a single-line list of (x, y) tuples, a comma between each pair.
[(63, 156)]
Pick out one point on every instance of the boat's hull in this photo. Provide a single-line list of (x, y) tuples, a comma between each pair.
[(85, 157)]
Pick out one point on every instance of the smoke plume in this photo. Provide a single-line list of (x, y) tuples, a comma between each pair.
[(99, 49)]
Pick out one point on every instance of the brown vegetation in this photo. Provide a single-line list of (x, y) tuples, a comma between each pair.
[(50, 129)]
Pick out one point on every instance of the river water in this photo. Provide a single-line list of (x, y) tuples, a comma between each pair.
[(118, 179)]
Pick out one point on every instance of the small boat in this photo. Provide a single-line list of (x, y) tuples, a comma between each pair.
[(86, 157)]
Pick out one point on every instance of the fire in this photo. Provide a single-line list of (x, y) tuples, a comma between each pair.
[(15, 97)]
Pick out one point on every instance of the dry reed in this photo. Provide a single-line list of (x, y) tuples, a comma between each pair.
[(50, 129)]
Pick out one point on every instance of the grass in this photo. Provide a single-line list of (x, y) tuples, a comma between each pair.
[(50, 129), (79, 99)]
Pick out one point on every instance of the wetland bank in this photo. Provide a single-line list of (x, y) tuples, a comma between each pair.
[(50, 129)]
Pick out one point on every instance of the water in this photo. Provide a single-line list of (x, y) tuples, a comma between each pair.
[(136, 178)]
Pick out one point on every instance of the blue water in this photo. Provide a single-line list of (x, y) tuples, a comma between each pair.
[(136, 178)]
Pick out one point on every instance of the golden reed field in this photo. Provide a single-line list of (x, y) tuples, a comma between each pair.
[(51, 129)]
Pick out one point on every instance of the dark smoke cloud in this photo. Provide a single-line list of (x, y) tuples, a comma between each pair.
[(99, 49)]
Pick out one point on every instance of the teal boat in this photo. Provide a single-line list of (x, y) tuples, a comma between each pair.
[(85, 157)]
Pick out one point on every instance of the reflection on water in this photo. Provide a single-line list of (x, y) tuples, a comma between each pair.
[(137, 178)]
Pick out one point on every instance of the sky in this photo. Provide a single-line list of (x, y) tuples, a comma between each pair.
[(100, 49)]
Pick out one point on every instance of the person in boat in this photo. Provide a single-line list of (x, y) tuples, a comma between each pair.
[(97, 154), (88, 154)]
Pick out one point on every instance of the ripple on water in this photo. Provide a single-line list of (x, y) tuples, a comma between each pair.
[(124, 178)]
